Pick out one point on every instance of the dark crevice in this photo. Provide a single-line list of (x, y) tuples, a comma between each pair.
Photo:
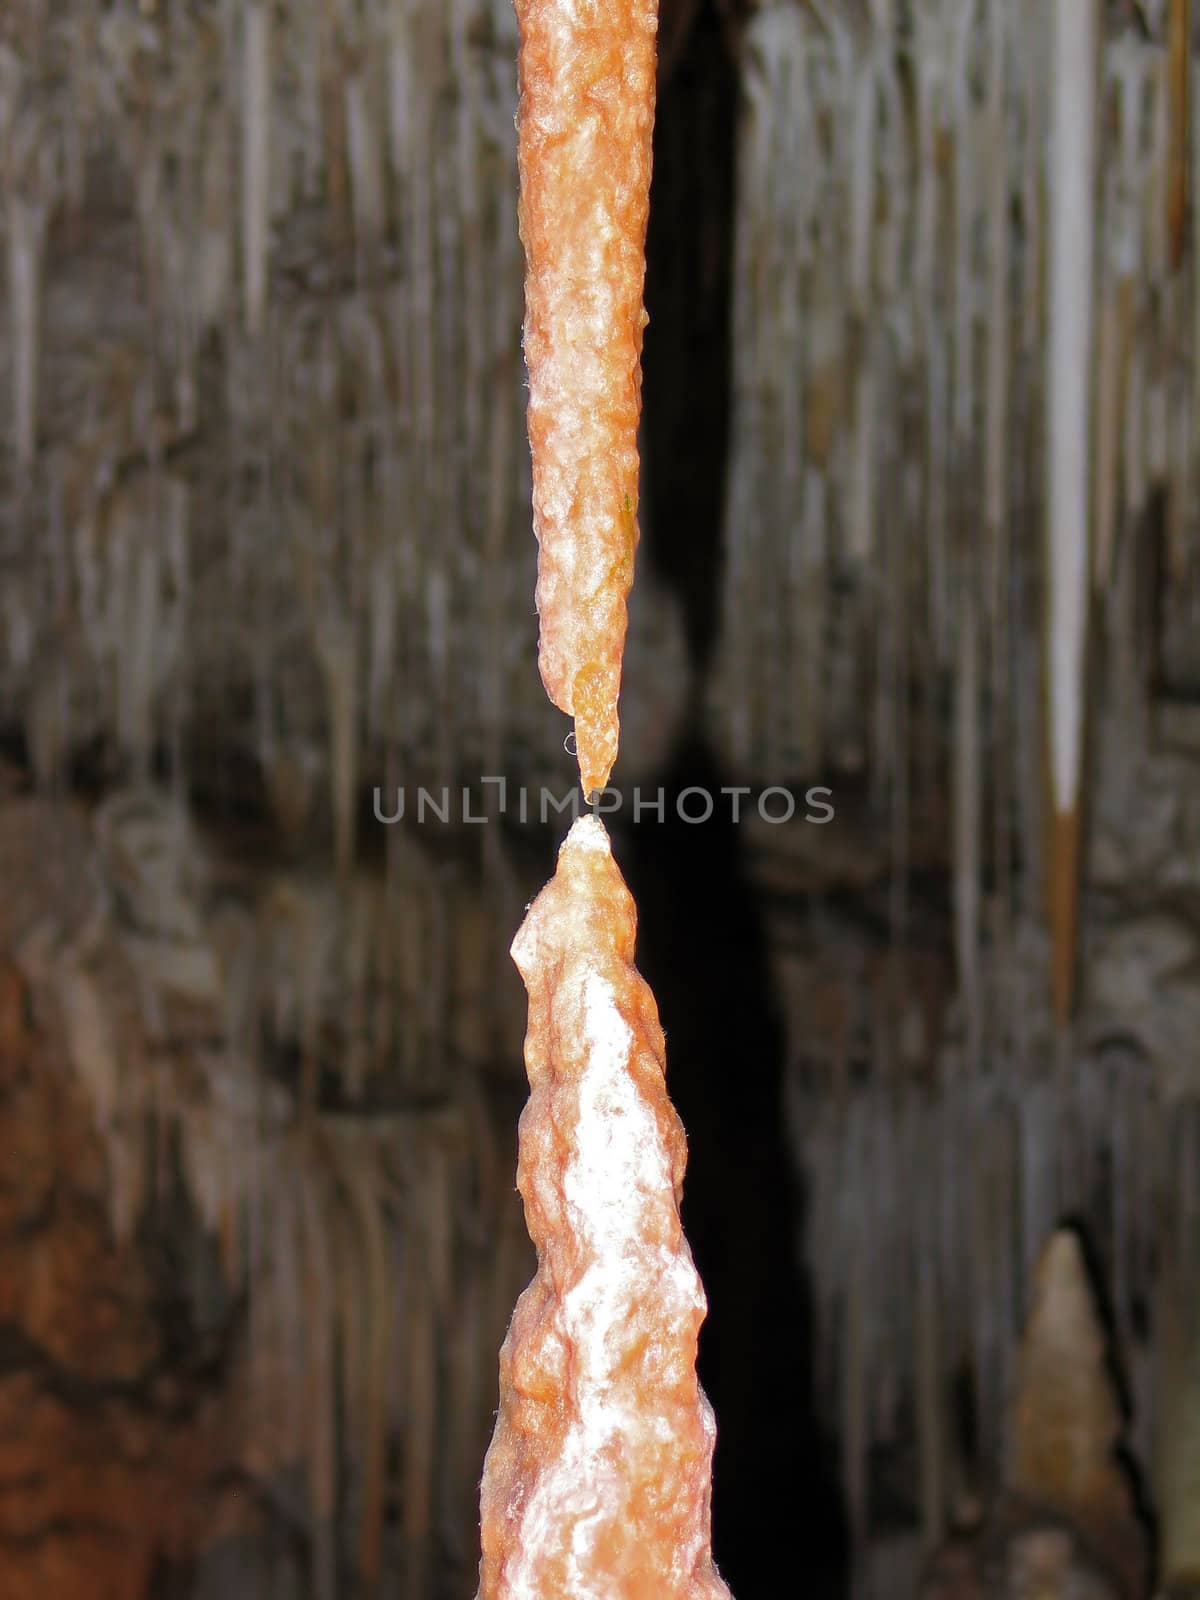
[(687, 365), (702, 948), (702, 945)]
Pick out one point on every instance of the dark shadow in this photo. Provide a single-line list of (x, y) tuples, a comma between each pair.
[(701, 944), (1115, 1362), (686, 369), (702, 948)]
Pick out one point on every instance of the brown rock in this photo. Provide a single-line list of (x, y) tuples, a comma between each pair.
[(98, 1476)]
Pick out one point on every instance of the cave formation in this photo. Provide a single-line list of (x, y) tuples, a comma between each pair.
[(267, 580)]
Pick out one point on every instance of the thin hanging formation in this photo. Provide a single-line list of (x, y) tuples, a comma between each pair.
[(1068, 420), (598, 1477), (584, 137)]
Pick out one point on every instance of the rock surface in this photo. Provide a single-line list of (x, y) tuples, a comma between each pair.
[(110, 1448)]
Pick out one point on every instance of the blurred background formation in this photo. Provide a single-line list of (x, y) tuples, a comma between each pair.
[(266, 571)]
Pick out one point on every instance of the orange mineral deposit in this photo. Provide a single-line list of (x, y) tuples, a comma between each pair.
[(598, 1478), (584, 134)]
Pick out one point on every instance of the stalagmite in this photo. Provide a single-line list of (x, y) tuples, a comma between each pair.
[(1066, 1423), (1068, 423), (597, 1478), (587, 110)]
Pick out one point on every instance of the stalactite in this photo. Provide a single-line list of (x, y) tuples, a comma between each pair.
[(968, 864), (1112, 335), (938, 561), (474, 364), (885, 669), (964, 190), (214, 270), (897, 164), (366, 177), (998, 407), (1070, 253), (865, 101), (861, 543), (1176, 421), (1179, 34), (336, 646), (812, 560), (137, 663), (1156, 203), (256, 160), (999, 277), (927, 68), (26, 241)]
